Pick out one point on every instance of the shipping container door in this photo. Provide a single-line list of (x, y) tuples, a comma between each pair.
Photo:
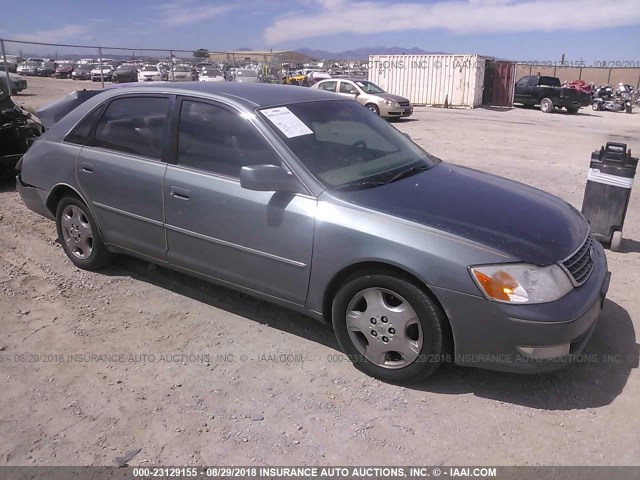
[(503, 84)]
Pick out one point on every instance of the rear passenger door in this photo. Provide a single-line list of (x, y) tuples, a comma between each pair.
[(258, 240), (121, 172)]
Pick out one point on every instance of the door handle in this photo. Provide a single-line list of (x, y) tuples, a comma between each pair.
[(86, 167), (181, 193)]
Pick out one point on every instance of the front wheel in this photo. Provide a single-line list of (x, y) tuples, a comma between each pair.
[(595, 106), (389, 327), (628, 109), (373, 108), (546, 105), (79, 235), (572, 110)]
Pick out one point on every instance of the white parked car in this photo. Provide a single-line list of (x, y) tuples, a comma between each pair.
[(211, 74), (245, 75), (151, 73), (107, 73), (181, 74)]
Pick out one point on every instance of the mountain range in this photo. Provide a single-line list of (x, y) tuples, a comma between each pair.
[(363, 53)]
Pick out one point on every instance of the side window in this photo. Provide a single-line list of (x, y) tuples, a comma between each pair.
[(328, 86), (533, 81), (133, 125), (80, 134), (346, 87), (217, 140), (523, 81)]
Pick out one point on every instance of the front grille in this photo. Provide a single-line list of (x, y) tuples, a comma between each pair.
[(580, 264), (404, 104)]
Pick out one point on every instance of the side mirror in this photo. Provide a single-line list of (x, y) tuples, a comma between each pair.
[(268, 178), (356, 92)]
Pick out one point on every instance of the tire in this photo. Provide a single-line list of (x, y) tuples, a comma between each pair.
[(628, 109), (572, 110), (616, 241), (546, 105), (79, 235), (373, 108), (595, 106), (368, 334)]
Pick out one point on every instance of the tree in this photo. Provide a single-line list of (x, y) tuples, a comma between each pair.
[(201, 53)]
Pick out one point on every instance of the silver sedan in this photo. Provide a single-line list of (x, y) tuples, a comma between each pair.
[(308, 199)]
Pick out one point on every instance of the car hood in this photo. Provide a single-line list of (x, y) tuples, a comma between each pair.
[(391, 96), (526, 223)]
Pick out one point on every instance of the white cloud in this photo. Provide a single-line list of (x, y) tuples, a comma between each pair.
[(64, 33), (459, 16), (186, 13)]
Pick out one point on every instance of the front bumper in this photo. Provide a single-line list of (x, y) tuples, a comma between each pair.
[(488, 334), (396, 112)]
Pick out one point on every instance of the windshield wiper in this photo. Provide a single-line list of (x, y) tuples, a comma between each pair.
[(358, 185), (408, 172)]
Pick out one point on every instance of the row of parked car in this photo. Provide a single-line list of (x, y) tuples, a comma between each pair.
[(124, 72)]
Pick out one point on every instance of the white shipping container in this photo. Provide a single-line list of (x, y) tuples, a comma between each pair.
[(431, 79)]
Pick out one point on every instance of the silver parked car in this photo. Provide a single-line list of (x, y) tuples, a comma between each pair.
[(306, 199)]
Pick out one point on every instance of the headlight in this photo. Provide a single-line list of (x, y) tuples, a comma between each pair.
[(392, 103), (521, 283)]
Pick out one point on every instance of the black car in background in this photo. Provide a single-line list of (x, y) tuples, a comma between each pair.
[(82, 72), (124, 73), (46, 69)]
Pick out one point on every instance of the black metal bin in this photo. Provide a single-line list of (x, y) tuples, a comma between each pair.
[(608, 190)]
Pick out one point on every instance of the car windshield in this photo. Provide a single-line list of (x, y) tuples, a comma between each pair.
[(212, 73), (181, 69), (126, 67), (369, 87), (243, 72), (149, 68), (344, 146)]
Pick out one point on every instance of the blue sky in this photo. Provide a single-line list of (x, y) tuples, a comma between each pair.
[(515, 29)]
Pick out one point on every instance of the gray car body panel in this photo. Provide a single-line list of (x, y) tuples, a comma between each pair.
[(289, 248)]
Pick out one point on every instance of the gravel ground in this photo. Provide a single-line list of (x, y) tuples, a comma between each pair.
[(192, 373)]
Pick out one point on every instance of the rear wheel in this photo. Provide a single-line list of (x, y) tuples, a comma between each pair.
[(546, 105), (596, 106), (79, 235), (389, 327)]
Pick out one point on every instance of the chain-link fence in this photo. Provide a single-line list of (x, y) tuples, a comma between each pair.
[(50, 70)]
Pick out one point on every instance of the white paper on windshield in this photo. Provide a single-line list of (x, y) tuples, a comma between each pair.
[(287, 122), (360, 84)]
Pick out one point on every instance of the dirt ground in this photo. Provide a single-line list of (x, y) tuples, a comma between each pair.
[(98, 364)]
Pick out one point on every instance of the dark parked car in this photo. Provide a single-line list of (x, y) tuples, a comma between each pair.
[(46, 69), (305, 198), (18, 130), (64, 70), (125, 73), (82, 72), (549, 94)]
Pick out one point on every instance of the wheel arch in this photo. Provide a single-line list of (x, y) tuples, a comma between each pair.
[(60, 191), (339, 278)]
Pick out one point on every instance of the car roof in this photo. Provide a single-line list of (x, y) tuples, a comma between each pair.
[(250, 95)]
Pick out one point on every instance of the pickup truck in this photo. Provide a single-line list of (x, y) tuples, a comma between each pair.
[(549, 94)]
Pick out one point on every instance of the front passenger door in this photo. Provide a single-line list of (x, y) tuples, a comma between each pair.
[(258, 240)]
